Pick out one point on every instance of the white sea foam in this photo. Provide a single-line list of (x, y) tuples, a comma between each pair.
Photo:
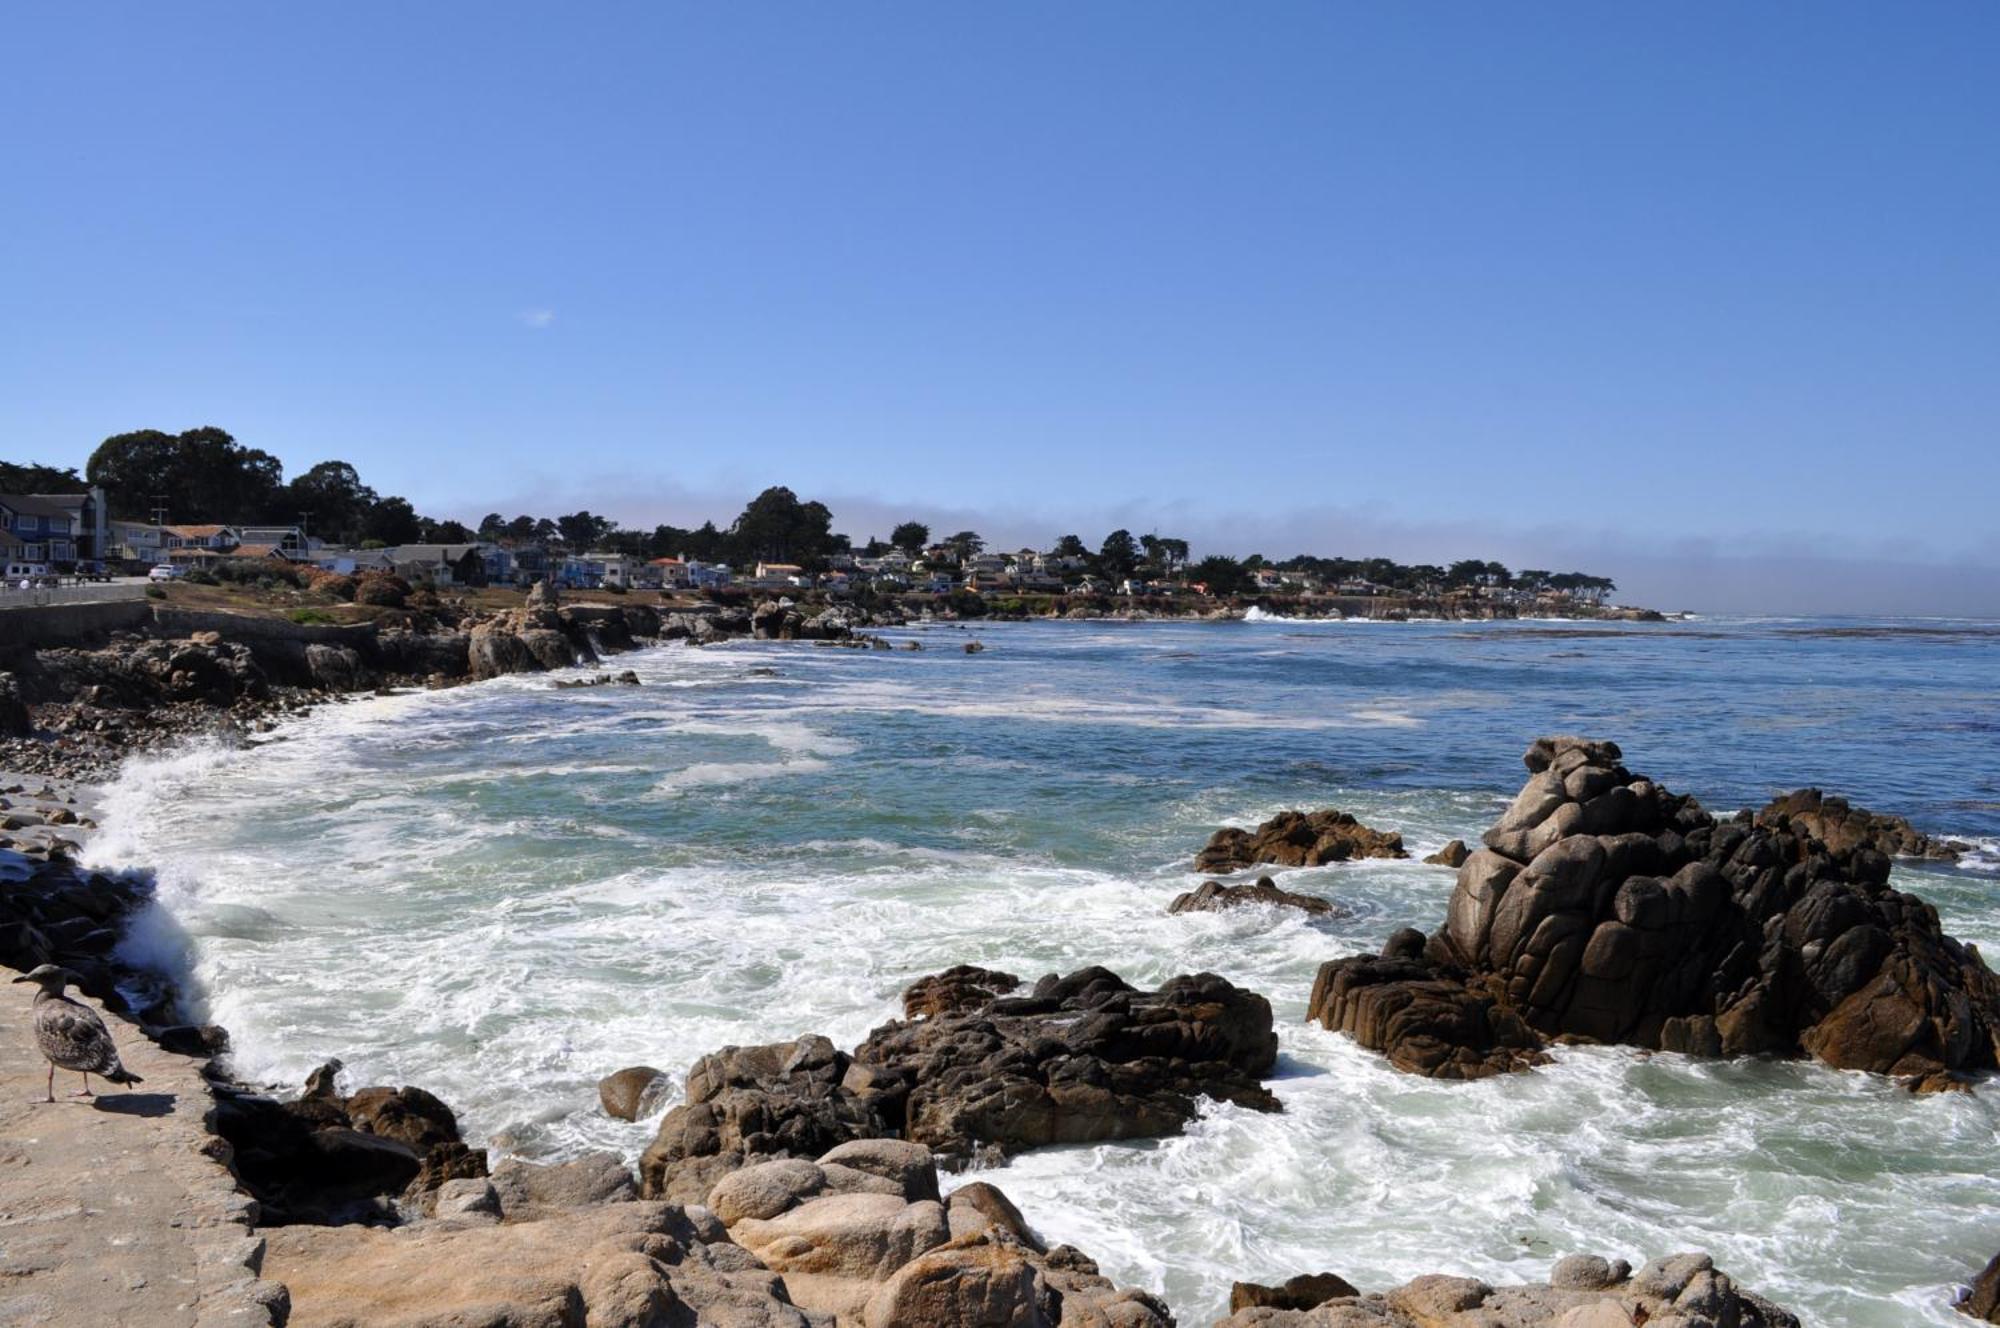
[(484, 891)]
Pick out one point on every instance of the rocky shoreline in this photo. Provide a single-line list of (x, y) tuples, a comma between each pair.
[(798, 1184)]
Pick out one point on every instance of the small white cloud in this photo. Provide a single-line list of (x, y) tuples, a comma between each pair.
[(537, 318)]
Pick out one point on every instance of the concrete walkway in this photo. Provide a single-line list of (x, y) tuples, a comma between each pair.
[(117, 1211)]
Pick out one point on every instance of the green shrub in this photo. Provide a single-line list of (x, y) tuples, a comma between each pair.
[(309, 616), (383, 590), (201, 576), (156, 592)]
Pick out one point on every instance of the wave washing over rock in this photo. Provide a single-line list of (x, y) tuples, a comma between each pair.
[(508, 901)]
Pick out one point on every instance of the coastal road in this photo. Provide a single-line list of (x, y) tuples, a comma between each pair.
[(111, 1211)]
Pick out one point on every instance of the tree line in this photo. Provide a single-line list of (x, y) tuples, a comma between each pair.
[(205, 476)]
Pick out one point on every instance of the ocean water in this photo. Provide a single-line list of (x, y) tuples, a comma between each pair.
[(503, 892)]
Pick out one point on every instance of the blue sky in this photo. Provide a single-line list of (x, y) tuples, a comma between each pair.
[(1696, 294)]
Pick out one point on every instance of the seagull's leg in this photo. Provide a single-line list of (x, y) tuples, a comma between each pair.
[(86, 1086), (52, 1083)]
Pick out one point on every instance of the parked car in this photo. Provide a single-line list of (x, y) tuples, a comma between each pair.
[(165, 572), (33, 572), (92, 571)]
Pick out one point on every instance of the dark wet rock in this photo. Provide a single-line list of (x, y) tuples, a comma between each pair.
[(1214, 897), (1082, 1058), (960, 987), (1304, 1292), (14, 718), (1452, 855), (327, 1159), (1982, 1300), (1684, 1291), (1297, 839), (1605, 908), (631, 1092), (1843, 828), (745, 1104)]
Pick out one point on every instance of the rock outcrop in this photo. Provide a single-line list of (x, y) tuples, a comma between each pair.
[(631, 1092), (749, 1104), (1081, 1058), (1078, 1059), (861, 1234), (1214, 897), (1305, 1292), (619, 1265), (1982, 1299), (323, 1158), (1605, 908), (1452, 855), (1583, 1291), (1842, 827), (1297, 839)]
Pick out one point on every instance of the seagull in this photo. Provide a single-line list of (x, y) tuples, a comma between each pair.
[(70, 1034)]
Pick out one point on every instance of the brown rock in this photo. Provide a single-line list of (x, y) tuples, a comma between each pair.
[(1082, 1058), (1842, 827), (631, 1092), (1297, 839), (1214, 897), (1982, 1300), (1452, 855), (1304, 1292), (961, 987), (1605, 908)]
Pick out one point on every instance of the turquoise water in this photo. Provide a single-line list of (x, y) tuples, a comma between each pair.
[(503, 892)]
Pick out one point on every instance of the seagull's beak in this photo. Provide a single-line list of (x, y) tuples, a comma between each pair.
[(24, 978)]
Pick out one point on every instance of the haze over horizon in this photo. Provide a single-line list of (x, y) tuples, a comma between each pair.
[(1700, 299)]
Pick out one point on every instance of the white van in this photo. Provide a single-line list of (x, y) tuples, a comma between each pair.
[(16, 572)]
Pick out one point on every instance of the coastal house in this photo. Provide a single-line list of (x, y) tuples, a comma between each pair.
[(620, 569), (782, 574), (43, 532), (706, 576), (500, 569), (291, 539), (440, 564), (1267, 578), (350, 561), (201, 539), (530, 563), (579, 572), (1039, 583), (89, 522), (138, 542), (670, 573)]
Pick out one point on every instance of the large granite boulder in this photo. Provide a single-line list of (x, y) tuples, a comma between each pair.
[(1583, 1291), (1605, 908), (744, 1104), (1297, 839), (621, 1265), (861, 1235), (1082, 1058)]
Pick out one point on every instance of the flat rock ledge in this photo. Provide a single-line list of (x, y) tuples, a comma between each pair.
[(1583, 1291), (122, 1209), (1605, 908), (1297, 839)]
